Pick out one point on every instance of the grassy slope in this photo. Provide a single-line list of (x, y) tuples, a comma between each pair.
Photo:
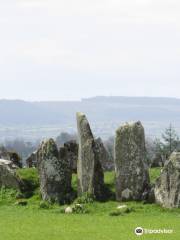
[(32, 223)]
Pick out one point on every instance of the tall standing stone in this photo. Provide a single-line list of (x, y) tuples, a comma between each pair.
[(132, 175), (90, 173), (55, 179), (167, 187)]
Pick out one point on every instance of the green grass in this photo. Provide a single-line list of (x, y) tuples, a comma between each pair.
[(7, 196), (29, 175), (30, 179), (34, 223)]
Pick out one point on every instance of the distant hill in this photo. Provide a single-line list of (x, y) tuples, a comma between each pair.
[(104, 113)]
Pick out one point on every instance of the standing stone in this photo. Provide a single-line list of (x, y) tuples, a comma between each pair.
[(157, 161), (4, 153), (11, 156), (72, 154), (31, 161), (106, 161), (90, 173), (132, 175), (65, 161), (167, 187), (55, 180), (8, 175)]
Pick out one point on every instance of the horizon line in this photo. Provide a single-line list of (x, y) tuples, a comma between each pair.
[(88, 98)]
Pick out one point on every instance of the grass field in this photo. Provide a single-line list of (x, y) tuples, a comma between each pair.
[(34, 223)]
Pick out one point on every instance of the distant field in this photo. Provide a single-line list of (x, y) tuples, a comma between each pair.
[(35, 120), (32, 223), (101, 129)]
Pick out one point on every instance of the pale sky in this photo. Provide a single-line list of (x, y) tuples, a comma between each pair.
[(70, 49)]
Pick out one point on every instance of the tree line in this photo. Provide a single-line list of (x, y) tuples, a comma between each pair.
[(158, 149)]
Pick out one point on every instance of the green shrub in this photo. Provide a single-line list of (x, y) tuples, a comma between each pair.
[(21, 202), (84, 199), (7, 195), (20, 195), (74, 182), (30, 181), (44, 205), (154, 174), (80, 209), (109, 179), (75, 209)]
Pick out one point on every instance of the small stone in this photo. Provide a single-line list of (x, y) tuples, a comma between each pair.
[(126, 195), (68, 210), (21, 203), (122, 206)]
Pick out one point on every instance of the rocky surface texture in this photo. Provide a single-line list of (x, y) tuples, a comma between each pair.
[(72, 148), (104, 157), (4, 153), (167, 187), (65, 165), (55, 177), (72, 154), (132, 175), (8, 177), (11, 156), (90, 174), (31, 161)]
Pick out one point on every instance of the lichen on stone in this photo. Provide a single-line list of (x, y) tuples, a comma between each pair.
[(130, 162)]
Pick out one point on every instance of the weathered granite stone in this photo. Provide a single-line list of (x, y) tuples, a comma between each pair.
[(132, 175), (55, 180), (11, 156), (167, 187), (65, 161), (8, 176), (31, 161), (72, 154), (16, 159), (127, 194), (90, 173), (104, 157), (157, 161), (99, 187), (4, 153)]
